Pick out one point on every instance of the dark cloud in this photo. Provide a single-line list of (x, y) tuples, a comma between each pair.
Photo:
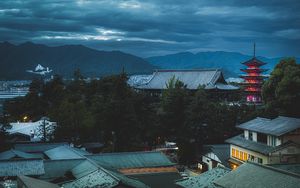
[(155, 27)]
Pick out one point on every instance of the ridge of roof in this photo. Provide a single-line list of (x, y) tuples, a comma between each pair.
[(122, 153), (187, 70), (274, 169)]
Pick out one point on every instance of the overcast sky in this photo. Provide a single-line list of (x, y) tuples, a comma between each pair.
[(157, 27)]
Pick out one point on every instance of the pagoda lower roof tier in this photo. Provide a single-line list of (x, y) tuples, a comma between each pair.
[(254, 62), (251, 84), (254, 70), (256, 77), (252, 91)]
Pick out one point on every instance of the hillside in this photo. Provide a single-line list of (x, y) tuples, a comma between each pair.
[(16, 59)]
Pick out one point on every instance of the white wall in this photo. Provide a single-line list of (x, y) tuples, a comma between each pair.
[(246, 134)]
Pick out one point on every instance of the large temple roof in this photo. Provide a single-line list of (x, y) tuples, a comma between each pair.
[(193, 79)]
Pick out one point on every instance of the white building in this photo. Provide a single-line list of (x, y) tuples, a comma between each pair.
[(266, 141), (31, 131)]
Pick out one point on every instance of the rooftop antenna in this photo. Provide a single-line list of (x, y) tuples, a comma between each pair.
[(254, 49)]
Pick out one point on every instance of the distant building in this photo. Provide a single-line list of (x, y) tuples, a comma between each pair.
[(30, 131), (209, 79), (253, 79), (266, 141)]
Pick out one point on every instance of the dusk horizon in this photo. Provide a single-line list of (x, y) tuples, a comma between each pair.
[(154, 28)]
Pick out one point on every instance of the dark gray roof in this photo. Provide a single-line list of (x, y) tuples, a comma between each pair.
[(129, 181), (84, 168), (64, 152), (37, 147), (90, 174), (21, 167), (294, 167), (222, 151), (193, 79), (205, 179), (58, 168), (250, 175), (17, 154), (164, 180), (278, 126), (131, 159), (239, 140), (97, 178), (29, 182)]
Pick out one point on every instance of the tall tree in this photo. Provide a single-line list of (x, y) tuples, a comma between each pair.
[(281, 92)]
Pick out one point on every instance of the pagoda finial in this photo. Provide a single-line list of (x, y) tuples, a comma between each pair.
[(254, 49)]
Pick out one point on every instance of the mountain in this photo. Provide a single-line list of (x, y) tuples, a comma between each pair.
[(63, 60), (230, 62)]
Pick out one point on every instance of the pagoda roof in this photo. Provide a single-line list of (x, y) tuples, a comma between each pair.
[(254, 61), (253, 70)]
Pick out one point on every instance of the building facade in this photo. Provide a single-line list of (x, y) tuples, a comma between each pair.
[(266, 141)]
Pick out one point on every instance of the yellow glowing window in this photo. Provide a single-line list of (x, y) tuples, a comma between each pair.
[(241, 155), (245, 156), (233, 152)]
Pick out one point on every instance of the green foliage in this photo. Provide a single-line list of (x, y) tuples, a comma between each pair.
[(109, 111), (281, 92)]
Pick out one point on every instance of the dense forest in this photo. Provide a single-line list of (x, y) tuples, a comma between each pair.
[(110, 111)]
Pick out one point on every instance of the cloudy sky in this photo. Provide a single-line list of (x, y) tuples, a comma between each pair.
[(157, 27)]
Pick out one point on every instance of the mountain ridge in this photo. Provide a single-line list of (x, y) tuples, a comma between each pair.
[(230, 62), (65, 59)]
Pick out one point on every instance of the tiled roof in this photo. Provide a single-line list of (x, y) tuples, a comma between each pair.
[(293, 167), (21, 167), (204, 180), (17, 154), (98, 178), (29, 182), (278, 126), (131, 159), (164, 180), (63, 152), (89, 174), (239, 140), (37, 147), (193, 79), (58, 168), (250, 175)]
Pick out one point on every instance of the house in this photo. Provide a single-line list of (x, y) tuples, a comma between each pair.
[(210, 79), (151, 167), (256, 175), (215, 155), (67, 166), (266, 141)]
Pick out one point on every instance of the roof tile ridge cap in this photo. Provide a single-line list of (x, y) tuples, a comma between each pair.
[(152, 77), (275, 169), (217, 73)]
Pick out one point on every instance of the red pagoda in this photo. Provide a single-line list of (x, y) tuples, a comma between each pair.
[(253, 79)]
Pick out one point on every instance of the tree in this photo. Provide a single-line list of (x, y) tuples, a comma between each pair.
[(172, 109), (281, 93)]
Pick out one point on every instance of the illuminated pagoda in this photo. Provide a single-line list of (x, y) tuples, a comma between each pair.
[(253, 79)]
